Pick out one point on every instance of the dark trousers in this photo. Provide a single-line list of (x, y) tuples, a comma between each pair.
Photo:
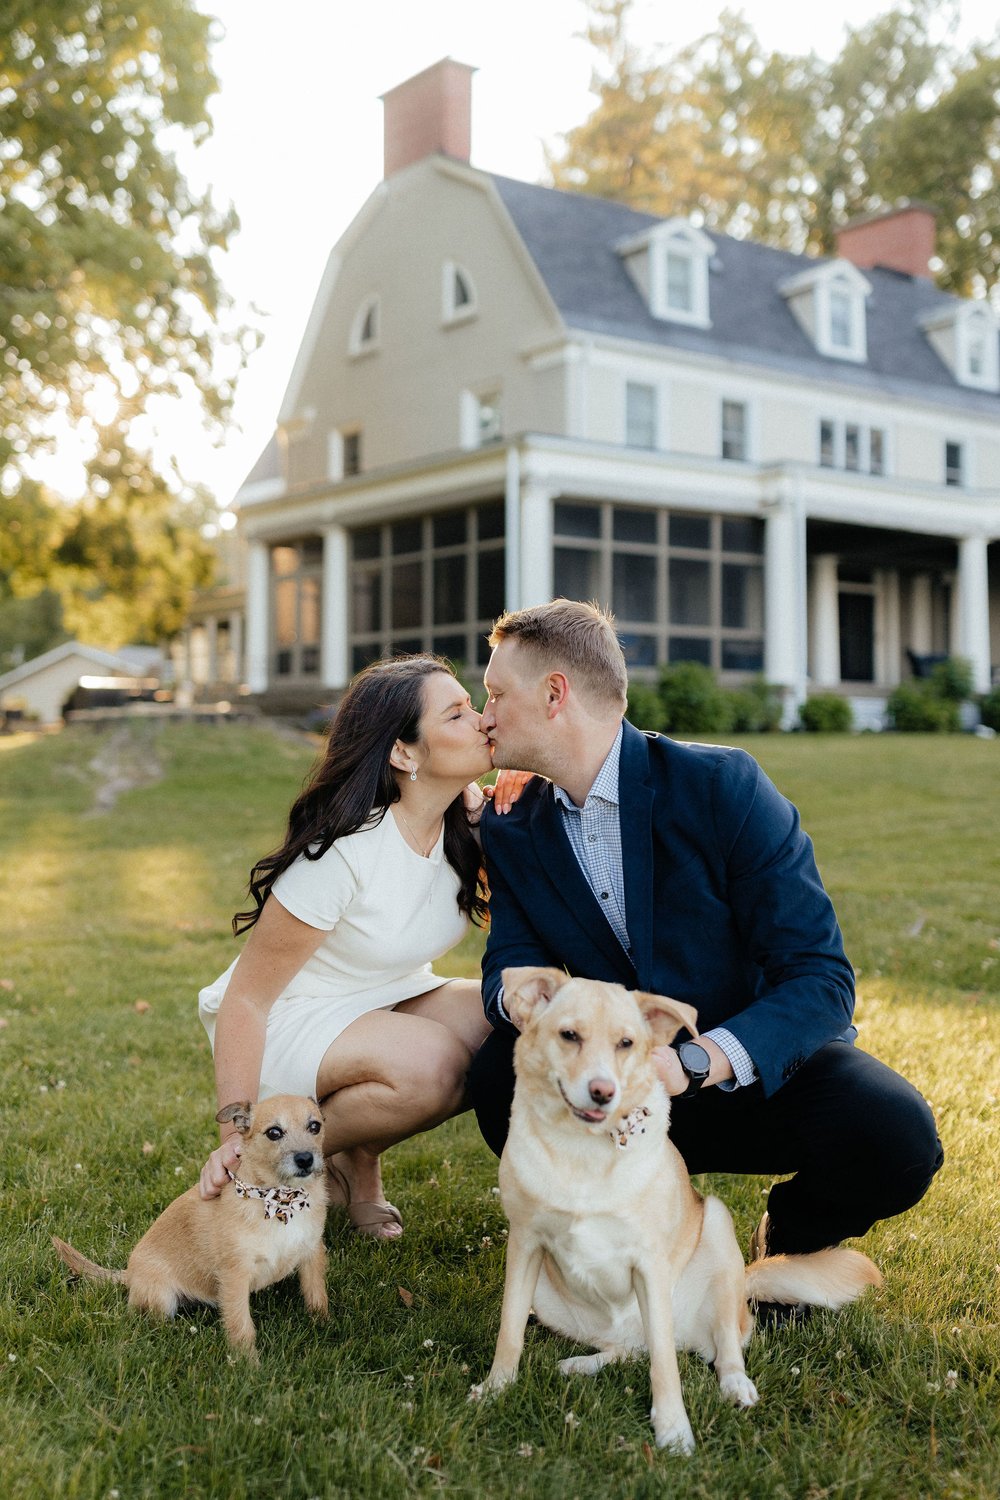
[(859, 1140)]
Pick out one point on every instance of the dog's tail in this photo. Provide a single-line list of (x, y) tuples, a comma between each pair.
[(81, 1266), (827, 1278)]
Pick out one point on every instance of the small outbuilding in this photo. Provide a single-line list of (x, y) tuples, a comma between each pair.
[(40, 687)]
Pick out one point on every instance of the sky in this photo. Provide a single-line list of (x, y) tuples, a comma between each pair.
[(297, 141)]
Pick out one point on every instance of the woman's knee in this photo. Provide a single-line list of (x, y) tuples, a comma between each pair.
[(433, 1074)]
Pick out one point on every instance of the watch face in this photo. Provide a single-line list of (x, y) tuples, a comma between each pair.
[(694, 1060)]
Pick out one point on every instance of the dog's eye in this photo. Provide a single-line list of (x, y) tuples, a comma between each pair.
[(314, 1127), (570, 1036), (626, 1041), (275, 1133)]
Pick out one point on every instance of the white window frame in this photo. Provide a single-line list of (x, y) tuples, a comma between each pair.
[(818, 287), (975, 323), (654, 390), (471, 403), (679, 238), (865, 429), (359, 344), (452, 313), (747, 429)]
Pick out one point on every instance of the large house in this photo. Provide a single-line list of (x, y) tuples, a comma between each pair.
[(763, 461)]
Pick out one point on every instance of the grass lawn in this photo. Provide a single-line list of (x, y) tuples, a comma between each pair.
[(115, 911)]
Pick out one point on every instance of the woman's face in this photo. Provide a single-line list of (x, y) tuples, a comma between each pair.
[(452, 745)]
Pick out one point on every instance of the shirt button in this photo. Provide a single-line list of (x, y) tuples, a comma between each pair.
[(592, 838), (605, 895)]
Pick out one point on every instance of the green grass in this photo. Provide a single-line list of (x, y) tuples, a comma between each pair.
[(107, 1113)]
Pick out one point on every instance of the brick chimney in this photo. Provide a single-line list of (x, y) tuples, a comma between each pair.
[(900, 238), (428, 114)]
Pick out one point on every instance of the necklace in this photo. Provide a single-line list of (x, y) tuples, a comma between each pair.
[(424, 853)]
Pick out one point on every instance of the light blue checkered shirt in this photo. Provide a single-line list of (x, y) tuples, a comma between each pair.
[(595, 836)]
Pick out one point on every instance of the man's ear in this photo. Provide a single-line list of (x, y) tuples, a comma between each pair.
[(556, 692), (666, 1017), (525, 990), (241, 1115)]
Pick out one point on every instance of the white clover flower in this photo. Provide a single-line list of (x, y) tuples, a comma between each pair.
[(951, 1380), (428, 1343), (571, 1419), (525, 1451)]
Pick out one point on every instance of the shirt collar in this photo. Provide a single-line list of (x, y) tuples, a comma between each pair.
[(605, 786)]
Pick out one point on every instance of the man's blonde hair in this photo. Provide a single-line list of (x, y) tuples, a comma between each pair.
[(577, 638)]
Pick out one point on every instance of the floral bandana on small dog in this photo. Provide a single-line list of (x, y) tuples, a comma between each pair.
[(627, 1127), (281, 1203)]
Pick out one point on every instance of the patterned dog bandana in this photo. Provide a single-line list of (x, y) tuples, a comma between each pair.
[(281, 1203), (628, 1125)]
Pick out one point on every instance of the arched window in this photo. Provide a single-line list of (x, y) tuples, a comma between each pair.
[(367, 326), (458, 293)]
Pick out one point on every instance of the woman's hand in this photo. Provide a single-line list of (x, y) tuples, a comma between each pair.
[(509, 786), (215, 1173), (474, 803)]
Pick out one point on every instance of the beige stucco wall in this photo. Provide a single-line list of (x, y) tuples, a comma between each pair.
[(407, 398)]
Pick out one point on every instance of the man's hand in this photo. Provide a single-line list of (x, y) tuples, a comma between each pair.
[(509, 786), (672, 1075), (215, 1173)]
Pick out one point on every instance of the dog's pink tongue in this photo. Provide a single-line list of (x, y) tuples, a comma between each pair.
[(592, 1115)]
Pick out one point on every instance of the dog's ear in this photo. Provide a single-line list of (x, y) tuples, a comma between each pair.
[(665, 1017), (524, 990), (241, 1115)]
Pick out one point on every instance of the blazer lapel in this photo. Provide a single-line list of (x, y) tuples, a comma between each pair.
[(635, 810), (555, 855)]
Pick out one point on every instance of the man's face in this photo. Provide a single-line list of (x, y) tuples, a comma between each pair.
[(516, 717)]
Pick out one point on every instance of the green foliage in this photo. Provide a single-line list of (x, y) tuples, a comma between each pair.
[(646, 709), (110, 299), (916, 707), (688, 700), (692, 699), (826, 713), (953, 679), (989, 709), (786, 147), (755, 709)]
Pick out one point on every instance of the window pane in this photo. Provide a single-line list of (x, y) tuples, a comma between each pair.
[(366, 589), (742, 534), (284, 612), (363, 656), (284, 560), (490, 521), (953, 463), (450, 529), (406, 646), (734, 416), (351, 454), (312, 549), (640, 415), (449, 589), (742, 656), (576, 573), (489, 584), (633, 592), (576, 520), (691, 531), (451, 646), (680, 281), (876, 451), (633, 525), (689, 592), (852, 446), (367, 542), (406, 595), (640, 650), (841, 319), (310, 660), (309, 611), (826, 444), (689, 648), (483, 651), (742, 597), (407, 536), (490, 417)]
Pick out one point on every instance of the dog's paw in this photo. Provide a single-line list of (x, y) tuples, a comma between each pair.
[(476, 1394), (676, 1437), (581, 1364), (738, 1388)]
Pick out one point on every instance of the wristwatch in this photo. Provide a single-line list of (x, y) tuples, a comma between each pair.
[(697, 1065)]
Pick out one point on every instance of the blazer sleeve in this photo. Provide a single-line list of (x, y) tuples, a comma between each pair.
[(512, 940), (786, 921)]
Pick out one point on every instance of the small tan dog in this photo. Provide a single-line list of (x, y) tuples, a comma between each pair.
[(263, 1226), (608, 1240)]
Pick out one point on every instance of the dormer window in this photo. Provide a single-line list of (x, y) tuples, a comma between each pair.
[(669, 263), (828, 303), (365, 329), (458, 294), (966, 338)]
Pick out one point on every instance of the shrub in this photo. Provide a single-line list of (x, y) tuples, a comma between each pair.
[(917, 707), (826, 713), (989, 709), (645, 707), (692, 700), (755, 709), (952, 679)]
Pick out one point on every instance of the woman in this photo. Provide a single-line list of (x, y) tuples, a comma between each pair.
[(333, 994)]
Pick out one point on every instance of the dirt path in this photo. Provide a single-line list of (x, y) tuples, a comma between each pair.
[(127, 759)]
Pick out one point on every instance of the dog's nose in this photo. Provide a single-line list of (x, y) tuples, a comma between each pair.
[(602, 1090), (304, 1161)]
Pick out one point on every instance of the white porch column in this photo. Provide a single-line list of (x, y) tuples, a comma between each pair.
[(258, 632), (825, 622), (236, 645), (887, 632), (785, 602), (334, 666), (211, 649), (512, 531), (536, 545), (973, 612), (921, 614)]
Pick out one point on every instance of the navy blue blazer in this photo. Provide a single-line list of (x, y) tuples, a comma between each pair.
[(723, 901)]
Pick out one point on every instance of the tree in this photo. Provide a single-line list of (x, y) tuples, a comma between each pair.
[(109, 298), (787, 148)]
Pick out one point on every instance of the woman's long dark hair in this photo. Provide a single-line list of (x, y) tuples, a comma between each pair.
[(354, 779)]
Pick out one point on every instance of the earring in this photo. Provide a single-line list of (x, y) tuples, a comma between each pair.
[(413, 773)]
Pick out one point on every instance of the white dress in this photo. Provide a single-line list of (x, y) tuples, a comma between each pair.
[(387, 912)]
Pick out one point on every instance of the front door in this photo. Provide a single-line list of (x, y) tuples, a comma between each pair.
[(857, 638)]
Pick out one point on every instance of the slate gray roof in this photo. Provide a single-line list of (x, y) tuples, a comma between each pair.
[(572, 238)]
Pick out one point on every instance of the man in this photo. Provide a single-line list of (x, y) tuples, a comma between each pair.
[(680, 869)]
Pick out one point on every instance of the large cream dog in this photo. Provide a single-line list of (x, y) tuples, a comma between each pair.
[(609, 1242)]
